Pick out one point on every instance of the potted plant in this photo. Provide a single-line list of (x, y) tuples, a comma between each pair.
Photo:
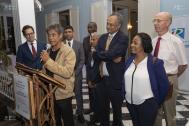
[(4, 59)]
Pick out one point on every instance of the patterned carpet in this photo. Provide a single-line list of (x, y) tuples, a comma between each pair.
[(182, 109)]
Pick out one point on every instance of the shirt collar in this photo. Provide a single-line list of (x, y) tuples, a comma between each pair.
[(34, 42), (112, 34), (165, 36), (71, 41)]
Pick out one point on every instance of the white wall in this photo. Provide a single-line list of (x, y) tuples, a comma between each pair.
[(100, 10), (146, 11), (23, 14)]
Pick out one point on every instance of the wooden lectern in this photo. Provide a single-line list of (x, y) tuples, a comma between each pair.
[(41, 94)]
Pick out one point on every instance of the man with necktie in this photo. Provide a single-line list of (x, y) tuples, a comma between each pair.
[(29, 52), (80, 59), (111, 45), (171, 50), (93, 78), (92, 29)]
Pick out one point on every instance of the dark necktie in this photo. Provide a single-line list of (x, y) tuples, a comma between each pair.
[(156, 51), (33, 50), (69, 43)]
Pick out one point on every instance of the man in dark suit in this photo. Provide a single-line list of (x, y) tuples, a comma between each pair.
[(93, 78), (80, 59), (112, 47), (92, 28), (29, 52)]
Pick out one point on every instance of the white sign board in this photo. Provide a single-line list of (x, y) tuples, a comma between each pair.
[(180, 27), (22, 96)]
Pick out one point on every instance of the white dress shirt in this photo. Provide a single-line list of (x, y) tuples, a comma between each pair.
[(71, 42), (137, 83), (92, 60), (34, 44), (105, 71), (172, 52)]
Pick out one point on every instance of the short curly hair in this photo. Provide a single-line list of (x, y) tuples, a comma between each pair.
[(146, 42)]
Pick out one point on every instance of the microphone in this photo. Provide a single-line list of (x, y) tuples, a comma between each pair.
[(47, 47)]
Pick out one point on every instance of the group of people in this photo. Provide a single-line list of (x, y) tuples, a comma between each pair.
[(147, 79)]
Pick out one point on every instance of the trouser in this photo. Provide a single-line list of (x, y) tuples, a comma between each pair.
[(78, 94), (168, 108), (105, 95), (63, 110), (143, 114), (92, 98)]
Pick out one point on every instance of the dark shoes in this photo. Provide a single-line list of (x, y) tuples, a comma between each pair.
[(94, 120), (81, 118)]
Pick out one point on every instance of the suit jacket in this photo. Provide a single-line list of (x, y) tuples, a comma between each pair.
[(86, 47), (117, 48), (80, 57), (93, 72), (158, 78), (24, 55)]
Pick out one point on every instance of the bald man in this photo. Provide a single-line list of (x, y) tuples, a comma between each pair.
[(171, 49)]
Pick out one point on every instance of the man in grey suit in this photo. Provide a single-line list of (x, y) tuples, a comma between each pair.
[(80, 59)]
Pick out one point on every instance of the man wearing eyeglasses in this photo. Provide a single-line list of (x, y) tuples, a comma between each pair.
[(171, 50), (29, 52), (111, 46)]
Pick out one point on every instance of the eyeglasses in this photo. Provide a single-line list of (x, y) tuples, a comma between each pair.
[(157, 20), (29, 34), (111, 25)]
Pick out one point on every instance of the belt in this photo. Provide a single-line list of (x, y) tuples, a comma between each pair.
[(171, 74)]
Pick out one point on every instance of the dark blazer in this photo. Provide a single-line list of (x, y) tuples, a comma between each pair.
[(158, 78), (117, 48), (80, 57), (24, 55), (93, 72), (86, 47)]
